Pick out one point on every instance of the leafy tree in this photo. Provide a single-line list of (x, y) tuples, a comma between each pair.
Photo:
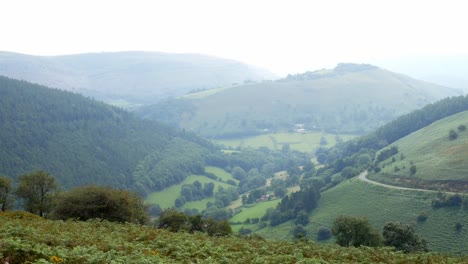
[(238, 173), (302, 218), (173, 220), (299, 232), (461, 128), (5, 191), (322, 158), (413, 169), (217, 228), (37, 190), (403, 237), (90, 202), (355, 231)]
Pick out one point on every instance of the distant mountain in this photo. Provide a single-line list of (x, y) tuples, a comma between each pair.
[(81, 141), (129, 77), (351, 98), (448, 70)]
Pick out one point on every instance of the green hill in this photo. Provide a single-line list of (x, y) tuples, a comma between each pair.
[(29, 239), (440, 159), (348, 99), (82, 141), (129, 77)]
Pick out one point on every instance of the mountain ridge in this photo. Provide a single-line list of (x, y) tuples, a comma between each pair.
[(135, 76)]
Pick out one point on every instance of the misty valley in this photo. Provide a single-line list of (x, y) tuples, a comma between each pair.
[(152, 157)]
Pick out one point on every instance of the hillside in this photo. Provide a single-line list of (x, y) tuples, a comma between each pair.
[(27, 238), (439, 159), (82, 141), (351, 98), (129, 77)]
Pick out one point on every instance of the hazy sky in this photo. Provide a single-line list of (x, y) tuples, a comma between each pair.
[(283, 36)]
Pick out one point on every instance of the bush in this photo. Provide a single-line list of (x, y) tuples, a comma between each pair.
[(403, 237), (461, 128), (453, 135), (324, 233), (355, 231), (422, 217), (89, 202)]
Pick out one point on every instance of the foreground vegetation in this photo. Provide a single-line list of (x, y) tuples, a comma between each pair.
[(29, 238)]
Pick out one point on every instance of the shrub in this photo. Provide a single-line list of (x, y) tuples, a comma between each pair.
[(461, 128), (89, 202), (422, 217), (453, 135), (324, 233), (403, 237)]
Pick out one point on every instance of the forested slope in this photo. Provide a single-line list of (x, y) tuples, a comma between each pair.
[(82, 141)]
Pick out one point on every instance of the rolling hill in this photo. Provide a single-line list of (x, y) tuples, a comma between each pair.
[(129, 77), (351, 98), (439, 158), (81, 141)]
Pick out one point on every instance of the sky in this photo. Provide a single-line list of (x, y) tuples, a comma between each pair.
[(290, 36)]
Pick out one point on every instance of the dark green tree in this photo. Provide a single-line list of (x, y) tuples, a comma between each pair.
[(302, 218), (5, 193), (403, 237), (299, 232), (37, 190), (355, 231)]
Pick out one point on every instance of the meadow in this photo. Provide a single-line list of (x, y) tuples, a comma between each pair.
[(305, 142)]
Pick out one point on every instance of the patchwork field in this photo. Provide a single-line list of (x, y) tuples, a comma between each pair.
[(167, 197), (307, 142)]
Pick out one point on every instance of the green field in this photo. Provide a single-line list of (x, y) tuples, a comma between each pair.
[(202, 94), (435, 156), (381, 205), (224, 175), (256, 210), (307, 142), (167, 197)]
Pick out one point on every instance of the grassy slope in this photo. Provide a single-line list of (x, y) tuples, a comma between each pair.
[(36, 240), (301, 142), (167, 197), (435, 156), (381, 205), (371, 96)]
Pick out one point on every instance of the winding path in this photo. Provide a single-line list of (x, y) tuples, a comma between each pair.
[(363, 177)]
